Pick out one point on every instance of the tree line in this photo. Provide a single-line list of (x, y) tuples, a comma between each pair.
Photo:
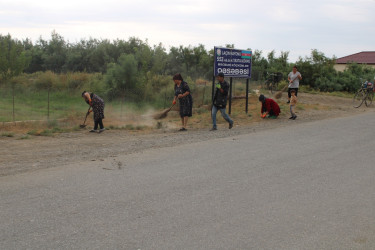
[(133, 64)]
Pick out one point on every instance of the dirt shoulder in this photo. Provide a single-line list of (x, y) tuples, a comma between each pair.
[(41, 152)]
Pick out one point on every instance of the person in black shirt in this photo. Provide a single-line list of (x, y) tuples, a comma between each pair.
[(97, 105), (182, 94), (220, 101)]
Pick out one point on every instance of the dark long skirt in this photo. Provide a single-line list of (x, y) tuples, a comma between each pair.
[(186, 106)]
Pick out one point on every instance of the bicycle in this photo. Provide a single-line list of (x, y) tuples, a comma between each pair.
[(364, 94), (272, 81)]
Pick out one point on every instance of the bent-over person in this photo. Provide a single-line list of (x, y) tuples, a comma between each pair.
[(97, 105), (269, 107)]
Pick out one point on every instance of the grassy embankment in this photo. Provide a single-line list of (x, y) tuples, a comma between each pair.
[(66, 109)]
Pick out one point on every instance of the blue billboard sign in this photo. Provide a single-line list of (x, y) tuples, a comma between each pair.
[(232, 62)]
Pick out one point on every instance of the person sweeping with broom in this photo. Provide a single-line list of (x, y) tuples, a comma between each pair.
[(97, 105), (182, 94), (293, 79)]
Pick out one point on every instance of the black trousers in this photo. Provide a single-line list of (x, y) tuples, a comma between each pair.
[(289, 89), (100, 123)]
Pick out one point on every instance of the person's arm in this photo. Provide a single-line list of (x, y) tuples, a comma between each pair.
[(299, 76), (263, 114), (186, 90), (175, 96), (218, 86), (225, 89), (183, 95)]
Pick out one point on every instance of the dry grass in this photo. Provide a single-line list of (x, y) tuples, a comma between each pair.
[(144, 122)]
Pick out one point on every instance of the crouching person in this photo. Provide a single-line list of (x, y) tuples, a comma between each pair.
[(269, 107)]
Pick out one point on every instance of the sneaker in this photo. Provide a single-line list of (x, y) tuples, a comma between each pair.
[(291, 117), (230, 125), (93, 130), (182, 129), (101, 130), (213, 129), (294, 117)]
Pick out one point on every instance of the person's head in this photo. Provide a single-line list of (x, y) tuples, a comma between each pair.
[(295, 69), (86, 96), (220, 77), (293, 92), (177, 78), (262, 98)]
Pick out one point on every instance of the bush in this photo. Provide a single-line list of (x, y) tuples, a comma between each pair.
[(326, 85), (46, 80)]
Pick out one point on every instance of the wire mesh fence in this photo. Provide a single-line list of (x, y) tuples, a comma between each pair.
[(19, 102)]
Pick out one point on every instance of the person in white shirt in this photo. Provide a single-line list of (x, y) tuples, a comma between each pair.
[(293, 79)]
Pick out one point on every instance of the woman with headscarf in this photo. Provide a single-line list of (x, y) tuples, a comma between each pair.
[(269, 107), (182, 94), (97, 105)]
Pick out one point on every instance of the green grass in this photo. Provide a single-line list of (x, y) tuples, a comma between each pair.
[(339, 94), (33, 132), (33, 105), (308, 89), (24, 137), (7, 134), (300, 107)]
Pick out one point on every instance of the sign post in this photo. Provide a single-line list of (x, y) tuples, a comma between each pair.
[(232, 63)]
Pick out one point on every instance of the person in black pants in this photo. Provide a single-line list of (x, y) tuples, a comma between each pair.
[(293, 79), (97, 105)]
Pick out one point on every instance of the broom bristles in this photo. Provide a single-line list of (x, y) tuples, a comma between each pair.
[(280, 93), (162, 114)]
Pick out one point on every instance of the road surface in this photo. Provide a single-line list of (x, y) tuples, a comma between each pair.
[(307, 186)]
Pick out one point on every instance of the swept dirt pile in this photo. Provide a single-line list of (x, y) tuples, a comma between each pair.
[(39, 152)]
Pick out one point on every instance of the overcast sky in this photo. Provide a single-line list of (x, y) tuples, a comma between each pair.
[(334, 27)]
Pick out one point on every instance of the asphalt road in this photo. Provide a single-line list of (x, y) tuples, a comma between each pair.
[(307, 186)]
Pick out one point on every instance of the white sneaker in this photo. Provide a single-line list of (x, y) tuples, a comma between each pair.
[(101, 130), (93, 130)]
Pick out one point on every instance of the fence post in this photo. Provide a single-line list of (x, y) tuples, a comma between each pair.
[(247, 95), (165, 97), (14, 120), (48, 104), (204, 92)]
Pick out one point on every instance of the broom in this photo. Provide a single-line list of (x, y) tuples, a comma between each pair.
[(163, 114), (280, 93)]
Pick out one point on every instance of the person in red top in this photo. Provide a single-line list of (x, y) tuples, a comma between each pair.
[(269, 107)]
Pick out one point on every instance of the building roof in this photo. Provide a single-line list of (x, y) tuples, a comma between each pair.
[(367, 57)]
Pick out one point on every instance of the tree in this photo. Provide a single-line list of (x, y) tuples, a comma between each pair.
[(121, 77), (159, 60), (13, 57), (55, 52), (318, 66)]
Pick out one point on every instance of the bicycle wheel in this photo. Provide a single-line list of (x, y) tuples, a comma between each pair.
[(369, 97), (358, 98)]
